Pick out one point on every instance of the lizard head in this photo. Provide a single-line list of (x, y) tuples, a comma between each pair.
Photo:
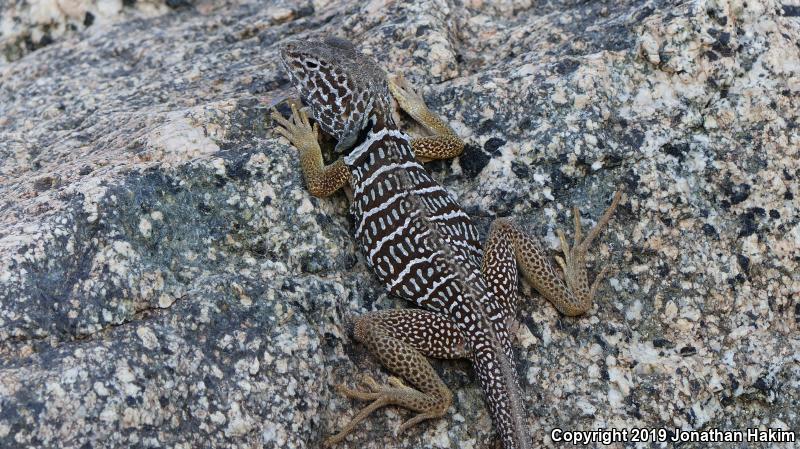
[(343, 87)]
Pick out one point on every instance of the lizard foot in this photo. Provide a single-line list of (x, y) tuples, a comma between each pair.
[(396, 393), (407, 98), (298, 130), (573, 264)]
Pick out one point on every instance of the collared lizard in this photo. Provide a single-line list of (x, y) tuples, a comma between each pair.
[(419, 242)]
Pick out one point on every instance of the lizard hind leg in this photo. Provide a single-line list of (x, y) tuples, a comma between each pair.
[(430, 399), (570, 293), (444, 143)]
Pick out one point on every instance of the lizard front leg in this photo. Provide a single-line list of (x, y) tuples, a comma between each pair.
[(571, 294), (401, 339), (444, 144), (321, 180)]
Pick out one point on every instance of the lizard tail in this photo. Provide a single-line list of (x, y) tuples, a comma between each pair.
[(498, 380)]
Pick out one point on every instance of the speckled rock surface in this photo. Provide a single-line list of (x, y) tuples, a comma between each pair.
[(27, 25), (166, 280)]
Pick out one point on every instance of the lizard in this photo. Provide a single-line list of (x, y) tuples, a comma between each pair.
[(419, 242)]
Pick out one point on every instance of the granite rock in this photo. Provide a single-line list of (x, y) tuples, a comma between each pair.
[(27, 25), (167, 281)]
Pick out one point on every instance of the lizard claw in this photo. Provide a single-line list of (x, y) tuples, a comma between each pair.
[(402, 90), (297, 129), (407, 98), (573, 262)]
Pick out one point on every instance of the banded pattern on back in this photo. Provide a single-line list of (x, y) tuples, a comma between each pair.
[(392, 230)]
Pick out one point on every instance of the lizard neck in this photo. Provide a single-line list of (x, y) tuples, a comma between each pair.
[(380, 144)]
